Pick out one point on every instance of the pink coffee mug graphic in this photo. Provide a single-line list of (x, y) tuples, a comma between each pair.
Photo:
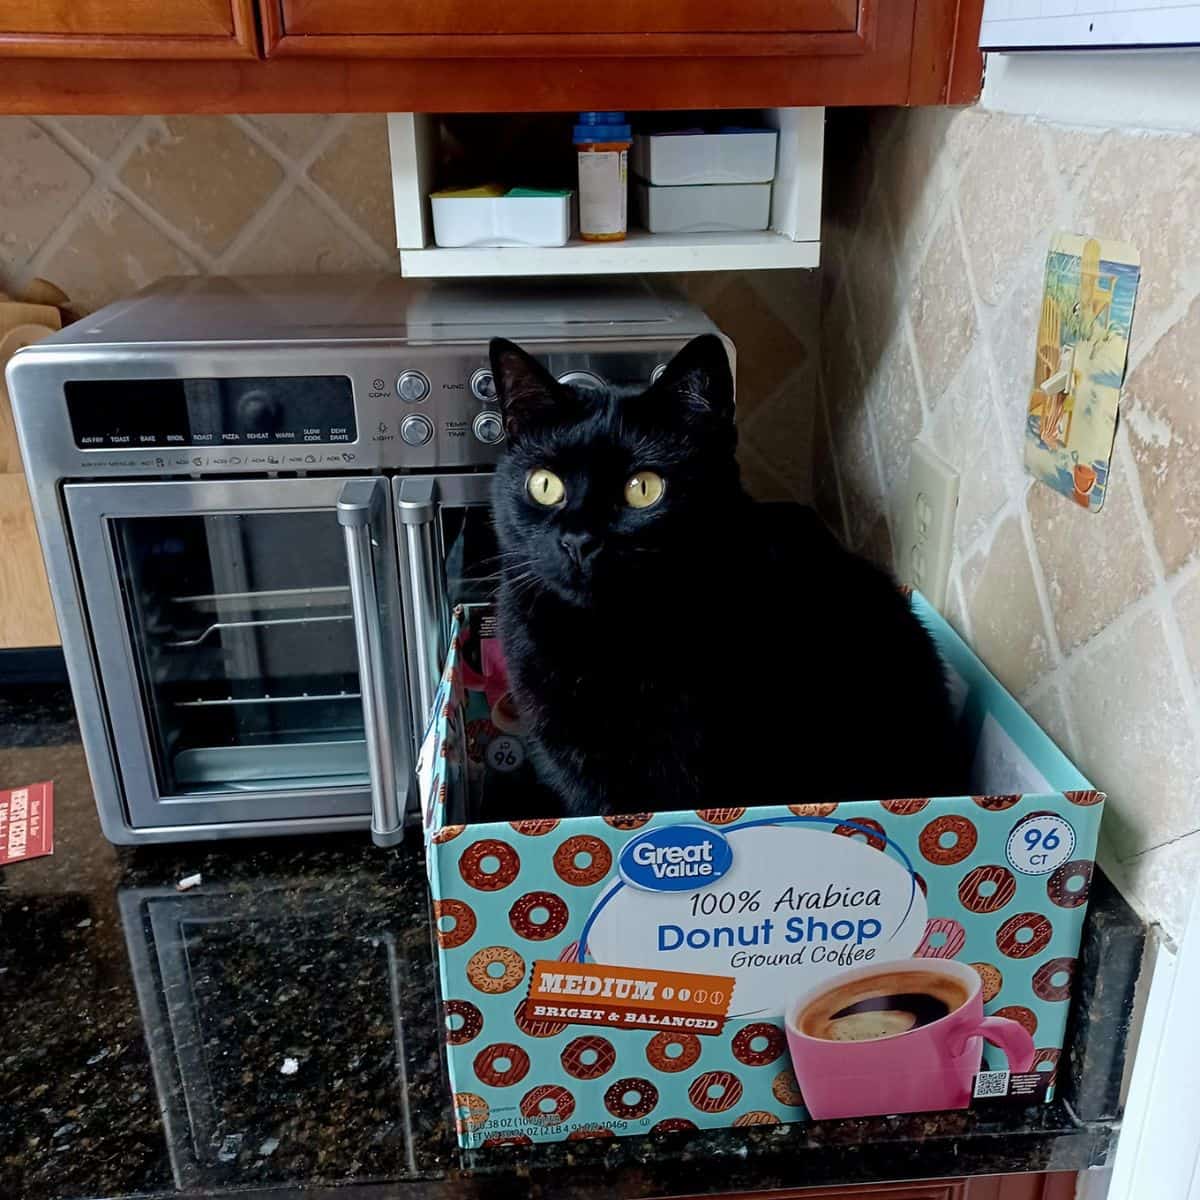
[(896, 1037)]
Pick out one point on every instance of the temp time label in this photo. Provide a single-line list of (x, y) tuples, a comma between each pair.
[(1040, 844)]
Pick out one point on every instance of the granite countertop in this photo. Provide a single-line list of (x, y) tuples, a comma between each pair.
[(274, 1031)]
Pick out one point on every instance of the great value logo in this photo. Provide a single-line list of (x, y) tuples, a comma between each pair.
[(677, 858)]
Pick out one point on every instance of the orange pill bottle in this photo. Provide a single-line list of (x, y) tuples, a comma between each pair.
[(602, 140)]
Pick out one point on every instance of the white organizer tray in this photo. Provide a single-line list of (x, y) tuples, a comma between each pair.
[(675, 159), (501, 220), (705, 208)]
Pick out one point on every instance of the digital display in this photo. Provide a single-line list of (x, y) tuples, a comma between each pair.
[(276, 411)]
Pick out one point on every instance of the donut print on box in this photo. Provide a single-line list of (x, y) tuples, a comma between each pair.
[(611, 977), (501, 1065), (673, 1052), (588, 1057), (537, 916)]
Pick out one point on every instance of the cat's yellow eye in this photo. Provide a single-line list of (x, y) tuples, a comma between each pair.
[(544, 487), (644, 489)]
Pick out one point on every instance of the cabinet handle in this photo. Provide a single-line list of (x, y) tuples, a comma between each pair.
[(417, 505), (359, 507)]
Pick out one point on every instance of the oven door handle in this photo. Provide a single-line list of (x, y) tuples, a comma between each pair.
[(417, 506), (362, 513)]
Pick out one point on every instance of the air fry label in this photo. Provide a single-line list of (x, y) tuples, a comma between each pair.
[(26, 822), (629, 997)]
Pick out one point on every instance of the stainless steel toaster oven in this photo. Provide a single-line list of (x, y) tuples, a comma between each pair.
[(258, 499)]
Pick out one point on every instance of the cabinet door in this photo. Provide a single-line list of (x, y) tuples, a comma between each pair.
[(586, 28), (128, 28), (1059, 1185)]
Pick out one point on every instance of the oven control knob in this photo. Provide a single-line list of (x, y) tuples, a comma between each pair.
[(483, 385), (416, 430), (489, 429), (584, 382), (412, 387)]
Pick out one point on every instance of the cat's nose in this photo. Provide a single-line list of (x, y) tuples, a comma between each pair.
[(580, 548)]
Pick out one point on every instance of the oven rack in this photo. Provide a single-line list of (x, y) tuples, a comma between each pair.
[(337, 595), (303, 698), (264, 623)]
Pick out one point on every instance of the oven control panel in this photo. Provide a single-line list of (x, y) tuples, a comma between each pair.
[(368, 405), (131, 414)]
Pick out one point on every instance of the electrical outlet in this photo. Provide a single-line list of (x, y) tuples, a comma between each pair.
[(927, 524)]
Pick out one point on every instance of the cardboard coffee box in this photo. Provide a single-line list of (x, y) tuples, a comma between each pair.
[(746, 966)]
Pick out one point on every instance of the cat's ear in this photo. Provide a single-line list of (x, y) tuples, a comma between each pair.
[(529, 395), (698, 381)]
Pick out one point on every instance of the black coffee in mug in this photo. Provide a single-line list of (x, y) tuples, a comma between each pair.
[(884, 1005)]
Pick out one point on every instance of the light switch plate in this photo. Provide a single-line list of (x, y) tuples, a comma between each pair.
[(926, 539)]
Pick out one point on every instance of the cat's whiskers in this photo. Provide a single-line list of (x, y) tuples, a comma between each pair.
[(519, 584)]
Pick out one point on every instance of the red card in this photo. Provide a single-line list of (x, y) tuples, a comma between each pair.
[(26, 822)]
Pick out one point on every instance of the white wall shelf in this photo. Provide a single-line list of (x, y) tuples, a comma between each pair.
[(792, 241), (640, 252)]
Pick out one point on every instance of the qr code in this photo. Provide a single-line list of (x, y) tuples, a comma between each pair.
[(991, 1083)]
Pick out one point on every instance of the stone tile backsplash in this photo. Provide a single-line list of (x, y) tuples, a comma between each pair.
[(105, 205), (937, 223), (934, 243)]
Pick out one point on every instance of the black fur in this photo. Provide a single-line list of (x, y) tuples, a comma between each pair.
[(708, 651)]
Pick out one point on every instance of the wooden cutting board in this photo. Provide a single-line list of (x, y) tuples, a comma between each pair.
[(26, 612), (10, 343)]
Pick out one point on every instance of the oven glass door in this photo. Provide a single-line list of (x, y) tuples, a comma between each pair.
[(448, 557), (223, 622)]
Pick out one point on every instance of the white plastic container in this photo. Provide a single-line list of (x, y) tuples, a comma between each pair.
[(710, 208), (673, 159), (501, 220)]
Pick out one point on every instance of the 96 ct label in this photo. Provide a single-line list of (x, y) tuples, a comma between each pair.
[(505, 753), (1041, 843)]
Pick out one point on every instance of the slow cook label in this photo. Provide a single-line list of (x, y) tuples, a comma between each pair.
[(776, 907)]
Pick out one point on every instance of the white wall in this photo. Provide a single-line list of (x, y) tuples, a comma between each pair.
[(1159, 1149), (1132, 89)]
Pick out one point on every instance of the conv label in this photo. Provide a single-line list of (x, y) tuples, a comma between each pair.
[(629, 997)]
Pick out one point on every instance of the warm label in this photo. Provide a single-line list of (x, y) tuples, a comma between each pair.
[(629, 997), (26, 822)]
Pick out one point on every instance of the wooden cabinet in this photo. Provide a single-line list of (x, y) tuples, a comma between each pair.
[(162, 29), (482, 55), (585, 28), (1059, 1185)]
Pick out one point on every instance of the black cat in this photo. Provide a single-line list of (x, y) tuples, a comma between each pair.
[(673, 644)]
